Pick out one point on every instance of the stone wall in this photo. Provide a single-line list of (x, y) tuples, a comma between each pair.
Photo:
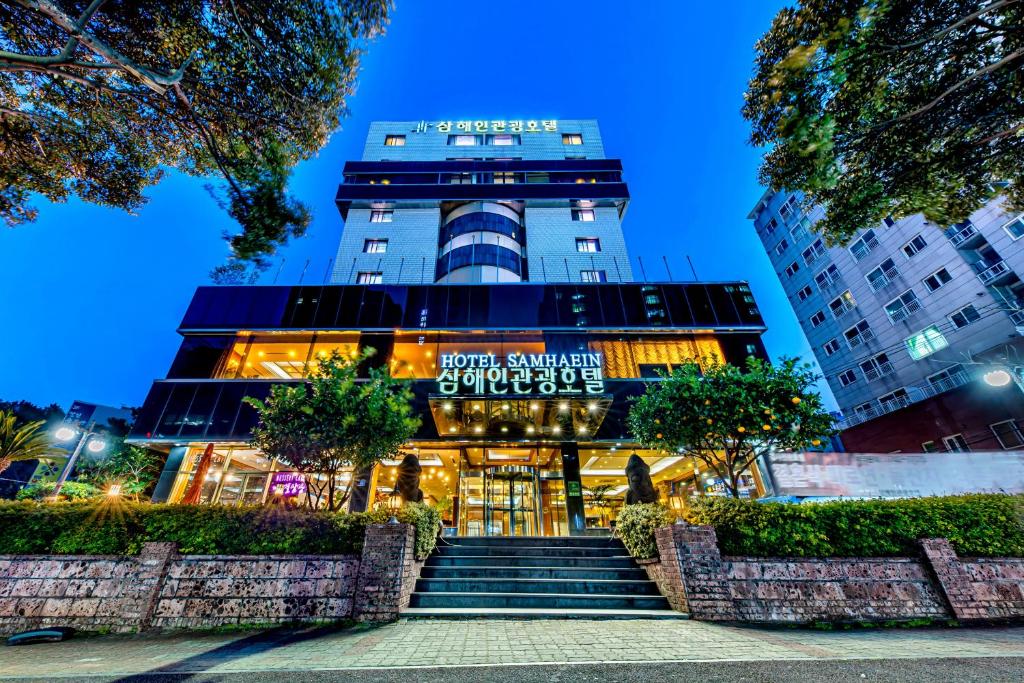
[(695, 578), (159, 589)]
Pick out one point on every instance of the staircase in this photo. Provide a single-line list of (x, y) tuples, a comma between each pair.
[(585, 577)]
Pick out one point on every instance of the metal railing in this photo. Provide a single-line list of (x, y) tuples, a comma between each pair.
[(887, 278), (905, 311), (862, 338), (864, 248), (992, 272), (963, 234), (879, 371), (914, 395), (842, 309)]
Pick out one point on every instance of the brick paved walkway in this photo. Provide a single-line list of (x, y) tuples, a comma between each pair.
[(449, 643)]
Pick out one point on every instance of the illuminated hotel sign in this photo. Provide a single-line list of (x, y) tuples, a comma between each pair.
[(521, 374), (518, 126)]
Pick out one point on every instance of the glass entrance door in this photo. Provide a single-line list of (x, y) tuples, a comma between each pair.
[(511, 500)]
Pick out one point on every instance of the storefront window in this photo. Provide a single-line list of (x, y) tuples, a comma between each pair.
[(631, 358)]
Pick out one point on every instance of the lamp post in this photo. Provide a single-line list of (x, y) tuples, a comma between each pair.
[(999, 376), (66, 434)]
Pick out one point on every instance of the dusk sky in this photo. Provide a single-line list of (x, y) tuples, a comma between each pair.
[(92, 296)]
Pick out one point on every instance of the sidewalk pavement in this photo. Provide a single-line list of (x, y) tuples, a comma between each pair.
[(452, 643)]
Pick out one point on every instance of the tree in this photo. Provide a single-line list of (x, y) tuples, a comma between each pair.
[(27, 441), (335, 420), (133, 468), (97, 98), (726, 417), (877, 108)]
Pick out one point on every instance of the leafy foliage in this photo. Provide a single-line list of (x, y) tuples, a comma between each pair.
[(133, 468), (875, 108), (426, 519), (726, 416), (22, 442), (71, 490), (635, 525), (96, 99), (335, 420), (976, 525)]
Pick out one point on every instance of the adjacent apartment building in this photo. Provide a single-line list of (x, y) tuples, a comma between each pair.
[(906, 322)]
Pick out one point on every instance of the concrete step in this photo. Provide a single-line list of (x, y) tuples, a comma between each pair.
[(562, 586), (551, 541), (536, 613), (499, 572), (537, 601), (615, 562), (535, 550)]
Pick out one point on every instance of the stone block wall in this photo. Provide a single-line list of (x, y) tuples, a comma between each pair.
[(387, 573), (977, 589)]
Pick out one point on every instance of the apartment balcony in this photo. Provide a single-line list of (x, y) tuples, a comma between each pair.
[(878, 372), (914, 395), (966, 237), (991, 274), (862, 338), (1017, 317), (864, 248), (905, 311), (828, 282), (839, 311), (888, 277)]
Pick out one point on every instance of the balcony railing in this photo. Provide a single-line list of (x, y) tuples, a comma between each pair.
[(886, 279), (905, 311), (962, 235), (914, 395), (863, 337), (1017, 317), (828, 282), (864, 248), (842, 309), (879, 371), (992, 272)]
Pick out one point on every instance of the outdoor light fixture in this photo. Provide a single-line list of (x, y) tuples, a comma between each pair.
[(95, 446), (65, 434), (556, 430), (592, 406), (530, 430), (997, 378), (447, 407), (534, 406), (451, 429), (114, 490), (563, 406)]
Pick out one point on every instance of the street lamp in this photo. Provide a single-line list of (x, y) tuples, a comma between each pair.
[(66, 433), (998, 377)]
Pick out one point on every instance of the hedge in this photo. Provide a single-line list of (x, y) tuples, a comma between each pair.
[(121, 529), (635, 525), (988, 525)]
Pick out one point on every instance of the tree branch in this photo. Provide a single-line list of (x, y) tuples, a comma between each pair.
[(980, 72), (952, 27)]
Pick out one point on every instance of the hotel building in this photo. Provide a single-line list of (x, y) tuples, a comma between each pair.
[(485, 263), (906, 322)]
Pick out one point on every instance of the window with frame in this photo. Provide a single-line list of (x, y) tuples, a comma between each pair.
[(503, 140), (375, 246), (894, 399), (937, 279), (461, 178), (394, 141), (781, 247), (381, 215), (889, 221), (925, 343), (813, 252), (858, 334), (902, 306), (847, 377), (1015, 228), (464, 140), (366, 277), (864, 245), (802, 227), (817, 319), (947, 379), (593, 276), (792, 269), (828, 277), (585, 215), (830, 347), (914, 246), (572, 139), (788, 208), (866, 410), (876, 367), (956, 443), (1008, 434), (883, 275), (805, 293), (588, 245), (503, 177), (842, 304), (965, 316), (929, 447), (770, 226)]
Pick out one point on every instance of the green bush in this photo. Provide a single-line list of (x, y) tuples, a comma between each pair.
[(977, 526), (71, 490), (635, 525), (112, 528)]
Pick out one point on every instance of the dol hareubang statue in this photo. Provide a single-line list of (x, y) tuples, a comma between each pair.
[(408, 481), (641, 488)]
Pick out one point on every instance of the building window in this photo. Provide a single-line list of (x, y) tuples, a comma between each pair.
[(464, 140), (802, 227), (842, 304), (503, 177), (858, 334), (864, 245), (828, 277), (813, 252), (883, 275), (1008, 434), (965, 316), (503, 140), (889, 221), (770, 226), (788, 208), (585, 215), (876, 367), (831, 347), (805, 293), (929, 447), (914, 246), (792, 269), (925, 343), (381, 216), (947, 379), (572, 139), (1015, 228), (866, 410), (369, 278), (847, 377), (781, 247), (955, 443), (817, 319), (394, 141), (894, 400), (937, 279), (588, 245), (375, 246), (593, 276), (902, 306)]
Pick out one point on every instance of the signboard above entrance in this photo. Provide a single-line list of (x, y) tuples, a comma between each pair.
[(521, 374)]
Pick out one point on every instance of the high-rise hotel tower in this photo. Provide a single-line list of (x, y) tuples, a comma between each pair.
[(482, 202)]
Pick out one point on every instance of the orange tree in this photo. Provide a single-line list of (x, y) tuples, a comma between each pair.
[(726, 416)]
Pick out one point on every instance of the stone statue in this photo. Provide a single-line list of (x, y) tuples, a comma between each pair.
[(408, 482), (641, 488)]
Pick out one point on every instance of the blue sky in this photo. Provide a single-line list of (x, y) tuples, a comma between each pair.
[(92, 296)]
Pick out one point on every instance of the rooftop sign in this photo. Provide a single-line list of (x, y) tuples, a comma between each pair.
[(500, 126)]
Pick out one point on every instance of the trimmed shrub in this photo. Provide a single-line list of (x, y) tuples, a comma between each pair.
[(635, 525), (988, 525), (120, 527), (71, 490)]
